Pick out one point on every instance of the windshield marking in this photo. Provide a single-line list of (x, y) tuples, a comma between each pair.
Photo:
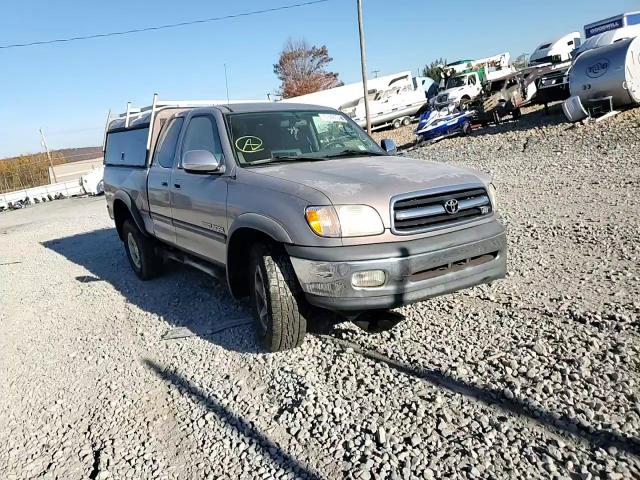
[(249, 144)]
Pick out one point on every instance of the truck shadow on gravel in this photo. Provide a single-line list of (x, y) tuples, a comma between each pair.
[(269, 448), (552, 422), (189, 300)]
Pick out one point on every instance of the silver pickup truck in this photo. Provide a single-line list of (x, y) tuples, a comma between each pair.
[(296, 207)]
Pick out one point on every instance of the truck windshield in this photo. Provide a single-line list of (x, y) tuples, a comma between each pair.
[(291, 135), (455, 82)]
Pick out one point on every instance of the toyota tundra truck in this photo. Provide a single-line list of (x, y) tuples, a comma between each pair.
[(297, 208)]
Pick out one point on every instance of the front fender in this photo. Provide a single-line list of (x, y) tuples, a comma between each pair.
[(262, 223)]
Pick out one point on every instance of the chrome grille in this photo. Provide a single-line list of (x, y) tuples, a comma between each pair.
[(423, 211)]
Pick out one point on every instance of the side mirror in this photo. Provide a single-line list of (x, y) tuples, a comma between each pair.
[(389, 146), (200, 161)]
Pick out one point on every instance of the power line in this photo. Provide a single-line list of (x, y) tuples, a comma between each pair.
[(162, 27)]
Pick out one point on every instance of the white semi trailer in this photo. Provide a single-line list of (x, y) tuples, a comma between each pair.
[(394, 100)]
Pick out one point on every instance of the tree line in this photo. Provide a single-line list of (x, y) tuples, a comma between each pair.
[(26, 171)]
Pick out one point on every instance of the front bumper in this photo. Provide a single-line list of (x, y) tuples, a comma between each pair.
[(415, 270)]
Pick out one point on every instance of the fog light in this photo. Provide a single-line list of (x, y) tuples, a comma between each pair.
[(368, 278)]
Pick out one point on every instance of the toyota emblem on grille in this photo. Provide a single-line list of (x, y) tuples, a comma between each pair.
[(451, 206)]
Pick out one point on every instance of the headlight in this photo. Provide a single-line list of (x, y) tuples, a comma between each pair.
[(344, 221), (493, 196)]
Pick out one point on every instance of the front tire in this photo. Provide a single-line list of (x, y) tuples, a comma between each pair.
[(277, 299), (140, 252)]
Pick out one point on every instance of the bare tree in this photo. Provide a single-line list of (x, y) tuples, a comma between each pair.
[(302, 69)]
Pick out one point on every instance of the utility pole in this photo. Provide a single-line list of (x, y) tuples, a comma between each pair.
[(363, 63), (46, 147), (375, 73)]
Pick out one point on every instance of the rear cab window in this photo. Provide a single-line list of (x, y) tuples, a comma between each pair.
[(167, 143), (127, 147)]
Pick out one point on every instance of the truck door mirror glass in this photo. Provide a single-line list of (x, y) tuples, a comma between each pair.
[(200, 161), (389, 146)]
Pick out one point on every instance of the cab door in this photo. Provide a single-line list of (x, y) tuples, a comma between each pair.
[(159, 179), (199, 200)]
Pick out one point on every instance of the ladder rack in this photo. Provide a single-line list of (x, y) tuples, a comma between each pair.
[(134, 113)]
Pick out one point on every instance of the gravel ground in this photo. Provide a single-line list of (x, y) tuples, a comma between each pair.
[(535, 376)]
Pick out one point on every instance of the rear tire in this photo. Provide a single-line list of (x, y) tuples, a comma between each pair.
[(277, 299), (397, 124), (406, 121), (140, 251)]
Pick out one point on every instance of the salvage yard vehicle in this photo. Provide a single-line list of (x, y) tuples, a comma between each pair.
[(463, 80), (296, 207), (499, 99)]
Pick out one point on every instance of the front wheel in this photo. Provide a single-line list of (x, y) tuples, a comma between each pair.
[(277, 299)]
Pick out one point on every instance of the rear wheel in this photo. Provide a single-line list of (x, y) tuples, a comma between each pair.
[(277, 299), (406, 121), (140, 252), (397, 123)]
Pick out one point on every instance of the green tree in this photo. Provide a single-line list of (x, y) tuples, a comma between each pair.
[(433, 70)]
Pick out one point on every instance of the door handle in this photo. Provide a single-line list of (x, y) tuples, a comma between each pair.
[(165, 184), (177, 185)]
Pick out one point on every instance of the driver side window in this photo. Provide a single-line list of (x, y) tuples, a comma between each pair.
[(202, 134)]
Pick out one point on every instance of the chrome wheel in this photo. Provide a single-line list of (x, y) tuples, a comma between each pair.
[(261, 299), (134, 252)]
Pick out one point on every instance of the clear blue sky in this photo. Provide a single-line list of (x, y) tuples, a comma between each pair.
[(67, 89)]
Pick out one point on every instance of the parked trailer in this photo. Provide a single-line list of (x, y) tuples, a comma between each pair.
[(605, 78), (394, 100), (609, 30)]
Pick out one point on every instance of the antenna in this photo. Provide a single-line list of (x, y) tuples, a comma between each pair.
[(226, 82)]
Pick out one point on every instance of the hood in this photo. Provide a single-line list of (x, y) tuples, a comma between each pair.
[(453, 92), (373, 180)]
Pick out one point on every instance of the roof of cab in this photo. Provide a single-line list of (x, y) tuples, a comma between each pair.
[(251, 107), (141, 119)]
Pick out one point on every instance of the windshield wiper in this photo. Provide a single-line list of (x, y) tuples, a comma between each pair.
[(355, 153)]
